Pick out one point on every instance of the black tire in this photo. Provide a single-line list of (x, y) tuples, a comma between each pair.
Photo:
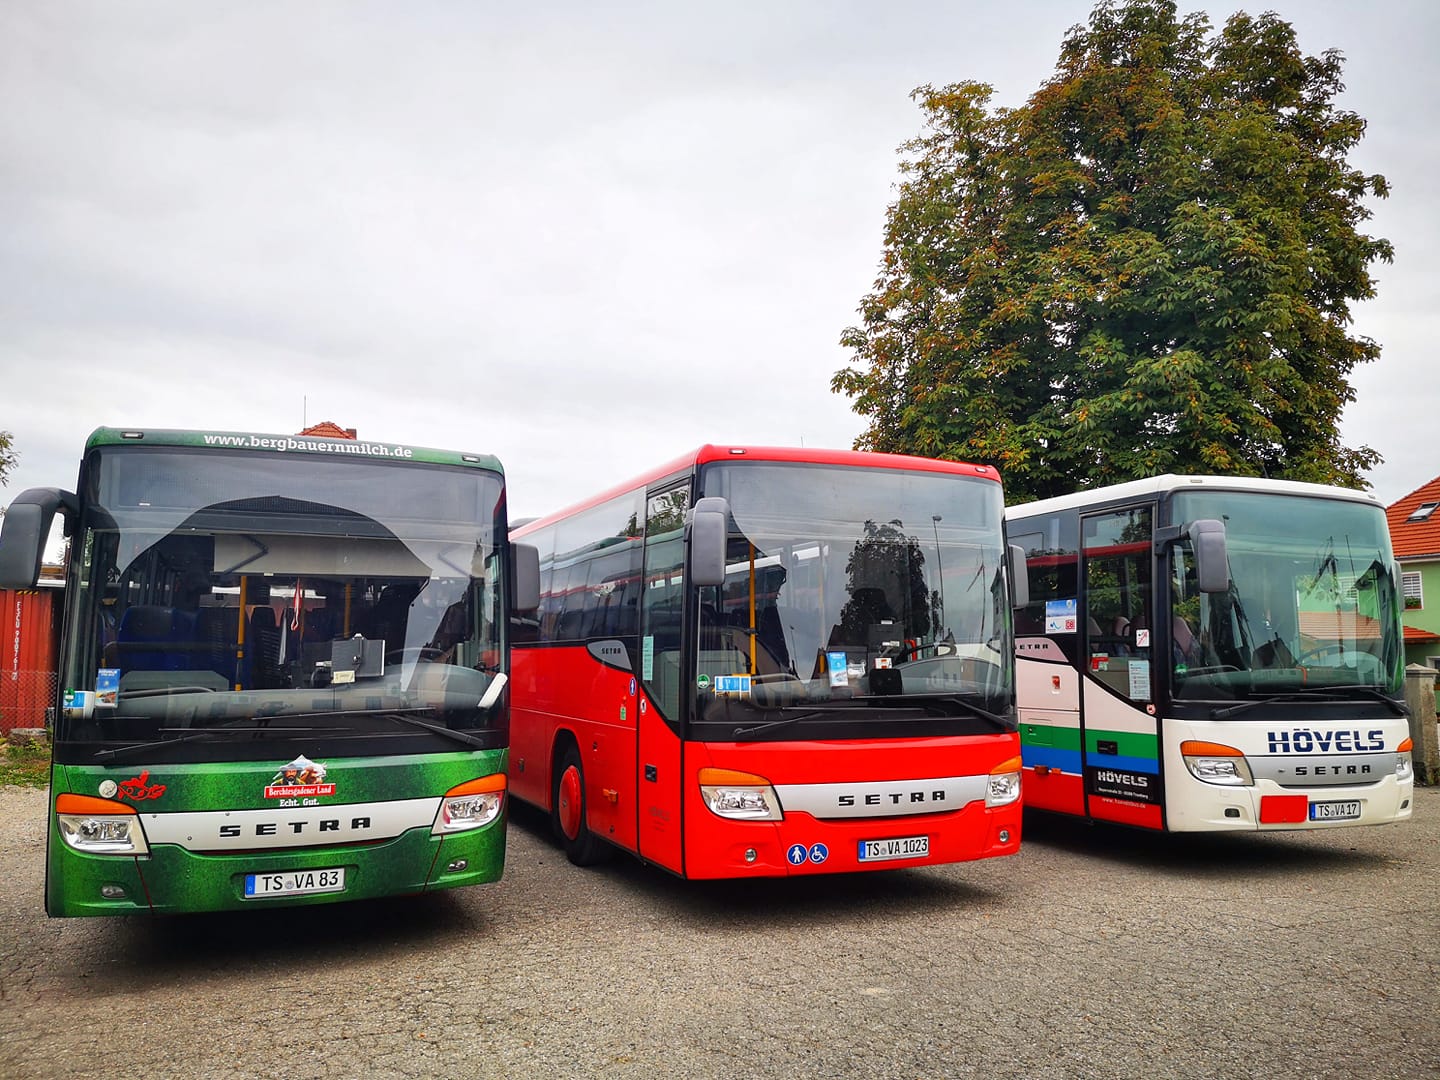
[(568, 813)]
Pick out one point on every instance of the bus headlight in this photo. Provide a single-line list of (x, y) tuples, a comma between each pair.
[(740, 796), (99, 826), (1404, 764), (1216, 763), (471, 805), (1003, 787)]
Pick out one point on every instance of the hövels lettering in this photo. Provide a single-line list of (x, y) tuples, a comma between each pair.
[(1305, 741), (1138, 781)]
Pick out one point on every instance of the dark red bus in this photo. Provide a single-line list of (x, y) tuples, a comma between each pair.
[(759, 662)]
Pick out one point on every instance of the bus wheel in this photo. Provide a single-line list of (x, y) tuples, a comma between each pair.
[(582, 847)]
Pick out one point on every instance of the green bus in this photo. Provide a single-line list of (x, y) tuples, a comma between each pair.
[(283, 671)]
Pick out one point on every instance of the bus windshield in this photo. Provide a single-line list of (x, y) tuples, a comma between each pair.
[(860, 590), (224, 602), (1311, 605)]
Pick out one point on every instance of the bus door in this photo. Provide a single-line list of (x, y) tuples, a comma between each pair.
[(1119, 724), (663, 681)]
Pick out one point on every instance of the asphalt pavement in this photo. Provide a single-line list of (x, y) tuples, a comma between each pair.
[(1093, 953)]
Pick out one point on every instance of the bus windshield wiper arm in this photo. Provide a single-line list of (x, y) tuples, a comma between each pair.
[(188, 734), (1334, 692), (449, 733), (404, 716), (1003, 723), (783, 721)]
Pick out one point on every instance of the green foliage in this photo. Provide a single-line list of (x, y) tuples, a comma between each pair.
[(8, 457), (1146, 268), (25, 766)]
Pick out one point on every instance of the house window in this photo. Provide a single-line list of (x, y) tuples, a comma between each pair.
[(1423, 511), (1414, 591)]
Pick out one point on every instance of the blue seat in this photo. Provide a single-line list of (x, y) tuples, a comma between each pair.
[(154, 638)]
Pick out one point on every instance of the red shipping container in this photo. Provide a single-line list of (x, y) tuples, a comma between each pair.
[(29, 645)]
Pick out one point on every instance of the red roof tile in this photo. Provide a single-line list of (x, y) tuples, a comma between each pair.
[(1415, 538), (1338, 626), (1415, 636), (329, 430)]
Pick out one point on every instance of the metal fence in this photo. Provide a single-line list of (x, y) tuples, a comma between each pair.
[(24, 697)]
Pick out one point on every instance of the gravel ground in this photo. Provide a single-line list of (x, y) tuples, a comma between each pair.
[(1093, 953)]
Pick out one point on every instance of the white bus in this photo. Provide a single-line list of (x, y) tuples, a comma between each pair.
[(1207, 653)]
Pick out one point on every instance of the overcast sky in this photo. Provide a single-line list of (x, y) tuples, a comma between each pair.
[(583, 237)]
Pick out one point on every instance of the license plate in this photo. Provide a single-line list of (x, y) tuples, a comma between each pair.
[(1335, 811), (295, 883), (901, 847)]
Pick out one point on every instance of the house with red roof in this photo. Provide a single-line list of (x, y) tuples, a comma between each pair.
[(330, 430), (1415, 536)]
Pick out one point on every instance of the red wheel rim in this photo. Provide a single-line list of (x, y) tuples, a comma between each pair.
[(569, 808)]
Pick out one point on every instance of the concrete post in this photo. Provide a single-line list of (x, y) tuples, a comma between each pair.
[(1420, 696)]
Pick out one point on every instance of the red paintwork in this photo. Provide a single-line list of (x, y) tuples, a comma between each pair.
[(1125, 812), (29, 642), (710, 452), (1053, 790), (1284, 809), (665, 821)]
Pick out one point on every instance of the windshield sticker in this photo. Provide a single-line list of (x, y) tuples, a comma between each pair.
[(78, 704), (1060, 616), (1139, 680), (301, 778), (839, 668), (107, 688), (732, 684), (703, 682), (1142, 638), (647, 658)]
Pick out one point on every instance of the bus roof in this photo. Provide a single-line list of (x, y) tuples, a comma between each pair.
[(1170, 483), (307, 444), (802, 455)]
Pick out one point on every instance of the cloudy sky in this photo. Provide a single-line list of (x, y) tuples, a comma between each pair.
[(583, 237)]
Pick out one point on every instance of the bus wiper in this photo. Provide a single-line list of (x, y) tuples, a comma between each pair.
[(784, 721), (404, 716), (449, 733), (891, 701), (1001, 722), (1342, 692), (189, 734)]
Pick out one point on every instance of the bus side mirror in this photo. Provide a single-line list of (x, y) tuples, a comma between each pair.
[(24, 532), (1212, 562), (1019, 577), (525, 561), (709, 522)]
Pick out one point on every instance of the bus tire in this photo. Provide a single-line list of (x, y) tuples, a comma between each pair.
[(582, 847)]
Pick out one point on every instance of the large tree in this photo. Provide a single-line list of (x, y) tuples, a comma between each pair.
[(8, 457), (1147, 267)]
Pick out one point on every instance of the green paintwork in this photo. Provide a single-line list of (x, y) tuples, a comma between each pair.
[(171, 879), (304, 444), (1129, 744)]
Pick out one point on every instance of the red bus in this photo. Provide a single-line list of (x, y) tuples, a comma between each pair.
[(761, 662)]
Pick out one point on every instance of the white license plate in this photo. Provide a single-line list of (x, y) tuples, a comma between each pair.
[(295, 883), (1335, 811), (901, 847)]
